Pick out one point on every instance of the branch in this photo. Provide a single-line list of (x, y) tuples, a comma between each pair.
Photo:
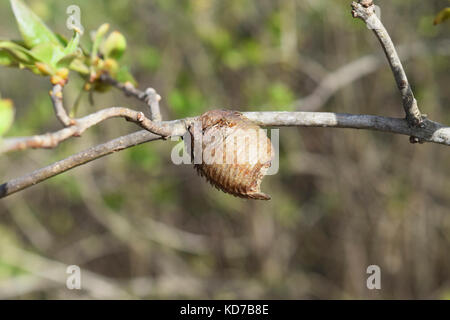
[(365, 10), (150, 97), (75, 127), (416, 126), (56, 96), (76, 160), (51, 140), (433, 132)]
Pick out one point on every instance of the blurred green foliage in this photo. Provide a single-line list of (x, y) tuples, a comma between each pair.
[(442, 16), (6, 115)]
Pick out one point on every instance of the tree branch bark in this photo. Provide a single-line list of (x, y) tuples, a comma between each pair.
[(365, 10), (149, 96), (433, 132), (56, 95), (51, 140)]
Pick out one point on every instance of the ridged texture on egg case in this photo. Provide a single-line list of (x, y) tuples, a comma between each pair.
[(242, 179)]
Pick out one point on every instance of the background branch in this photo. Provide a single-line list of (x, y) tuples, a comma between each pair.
[(359, 68)]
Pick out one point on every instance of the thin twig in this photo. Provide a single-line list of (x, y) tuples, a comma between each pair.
[(127, 88), (433, 132), (149, 97), (76, 160), (56, 95), (365, 10), (152, 99), (51, 140)]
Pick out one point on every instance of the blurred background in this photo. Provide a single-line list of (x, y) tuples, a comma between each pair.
[(140, 227)]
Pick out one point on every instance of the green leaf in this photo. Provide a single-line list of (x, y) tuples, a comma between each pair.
[(114, 45), (6, 115), (7, 59), (66, 61), (79, 66), (48, 53), (21, 54), (57, 56), (99, 35), (70, 53), (33, 29), (61, 39), (40, 60), (73, 44), (442, 16), (124, 75)]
